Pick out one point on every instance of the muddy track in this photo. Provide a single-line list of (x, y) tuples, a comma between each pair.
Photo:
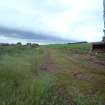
[(49, 64), (72, 64)]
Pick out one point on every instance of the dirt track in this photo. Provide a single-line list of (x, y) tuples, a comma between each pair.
[(79, 66), (75, 73), (49, 64)]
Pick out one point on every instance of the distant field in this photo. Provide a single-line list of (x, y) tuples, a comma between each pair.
[(60, 74), (72, 48)]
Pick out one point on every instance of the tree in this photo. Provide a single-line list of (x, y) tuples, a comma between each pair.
[(19, 44)]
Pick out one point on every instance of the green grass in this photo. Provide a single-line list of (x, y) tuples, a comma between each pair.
[(18, 70), (72, 48), (23, 82)]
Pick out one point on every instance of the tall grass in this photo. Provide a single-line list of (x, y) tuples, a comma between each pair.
[(22, 82), (18, 71)]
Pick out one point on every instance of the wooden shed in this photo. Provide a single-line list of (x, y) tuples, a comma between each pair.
[(98, 47)]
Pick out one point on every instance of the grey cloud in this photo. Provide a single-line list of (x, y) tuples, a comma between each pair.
[(29, 35)]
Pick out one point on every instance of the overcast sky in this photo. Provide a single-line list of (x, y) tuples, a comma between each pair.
[(60, 19)]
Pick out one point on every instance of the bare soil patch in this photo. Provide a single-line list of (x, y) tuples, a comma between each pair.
[(82, 76), (49, 64), (91, 61)]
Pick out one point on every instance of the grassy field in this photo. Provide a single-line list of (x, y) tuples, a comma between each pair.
[(51, 75)]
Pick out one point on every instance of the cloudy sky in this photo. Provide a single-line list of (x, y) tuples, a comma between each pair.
[(51, 21)]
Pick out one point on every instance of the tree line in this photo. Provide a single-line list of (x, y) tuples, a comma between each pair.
[(20, 44)]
